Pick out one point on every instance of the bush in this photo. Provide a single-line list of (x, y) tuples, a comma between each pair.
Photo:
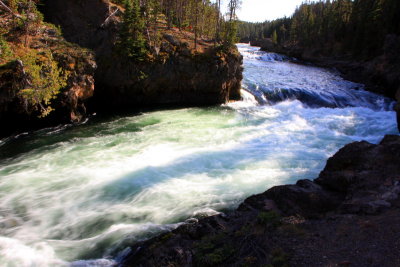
[(279, 258), (270, 218), (5, 50), (42, 81), (212, 251)]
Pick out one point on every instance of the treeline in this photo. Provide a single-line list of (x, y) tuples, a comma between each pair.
[(143, 20), (278, 30), (357, 27)]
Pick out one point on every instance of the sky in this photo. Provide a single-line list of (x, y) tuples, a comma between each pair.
[(262, 10)]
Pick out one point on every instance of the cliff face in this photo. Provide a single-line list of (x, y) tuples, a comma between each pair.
[(177, 75), (349, 215), (87, 23)]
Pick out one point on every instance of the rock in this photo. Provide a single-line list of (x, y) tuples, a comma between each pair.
[(82, 22), (397, 108), (340, 171), (391, 48), (305, 198), (171, 39), (390, 196), (362, 165), (180, 78), (69, 105), (366, 173), (177, 75), (376, 206), (9, 223), (266, 44)]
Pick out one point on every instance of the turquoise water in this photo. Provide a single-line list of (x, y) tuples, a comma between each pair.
[(78, 196)]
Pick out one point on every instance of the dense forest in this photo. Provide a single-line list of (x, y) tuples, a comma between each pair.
[(357, 27)]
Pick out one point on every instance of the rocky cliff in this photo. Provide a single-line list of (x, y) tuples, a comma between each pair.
[(348, 216), (177, 74), (76, 63)]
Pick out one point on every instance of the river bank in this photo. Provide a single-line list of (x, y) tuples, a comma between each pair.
[(347, 216)]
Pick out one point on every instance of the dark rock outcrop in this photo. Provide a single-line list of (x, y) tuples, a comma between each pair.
[(305, 198), (368, 174), (177, 75), (69, 105), (348, 215), (91, 23)]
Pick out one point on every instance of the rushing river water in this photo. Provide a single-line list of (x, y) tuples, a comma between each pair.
[(81, 193)]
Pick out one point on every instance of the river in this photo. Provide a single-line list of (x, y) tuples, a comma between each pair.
[(76, 196)]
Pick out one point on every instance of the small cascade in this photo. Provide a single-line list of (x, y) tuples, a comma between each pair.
[(277, 79)]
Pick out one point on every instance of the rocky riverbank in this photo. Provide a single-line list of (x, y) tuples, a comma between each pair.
[(348, 216), (380, 75)]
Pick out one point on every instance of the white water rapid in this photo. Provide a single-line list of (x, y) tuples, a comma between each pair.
[(78, 196)]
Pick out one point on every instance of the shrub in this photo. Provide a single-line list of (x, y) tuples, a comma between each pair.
[(270, 218), (5, 50), (42, 81), (279, 258)]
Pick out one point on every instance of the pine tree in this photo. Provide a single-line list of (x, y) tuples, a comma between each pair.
[(232, 24), (132, 43), (275, 37)]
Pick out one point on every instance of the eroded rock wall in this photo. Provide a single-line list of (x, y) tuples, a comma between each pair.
[(176, 75), (69, 105)]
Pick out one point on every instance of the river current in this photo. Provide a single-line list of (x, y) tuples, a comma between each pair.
[(77, 196)]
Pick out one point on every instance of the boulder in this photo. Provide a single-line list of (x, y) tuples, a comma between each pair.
[(171, 39), (368, 174), (305, 198), (361, 165)]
